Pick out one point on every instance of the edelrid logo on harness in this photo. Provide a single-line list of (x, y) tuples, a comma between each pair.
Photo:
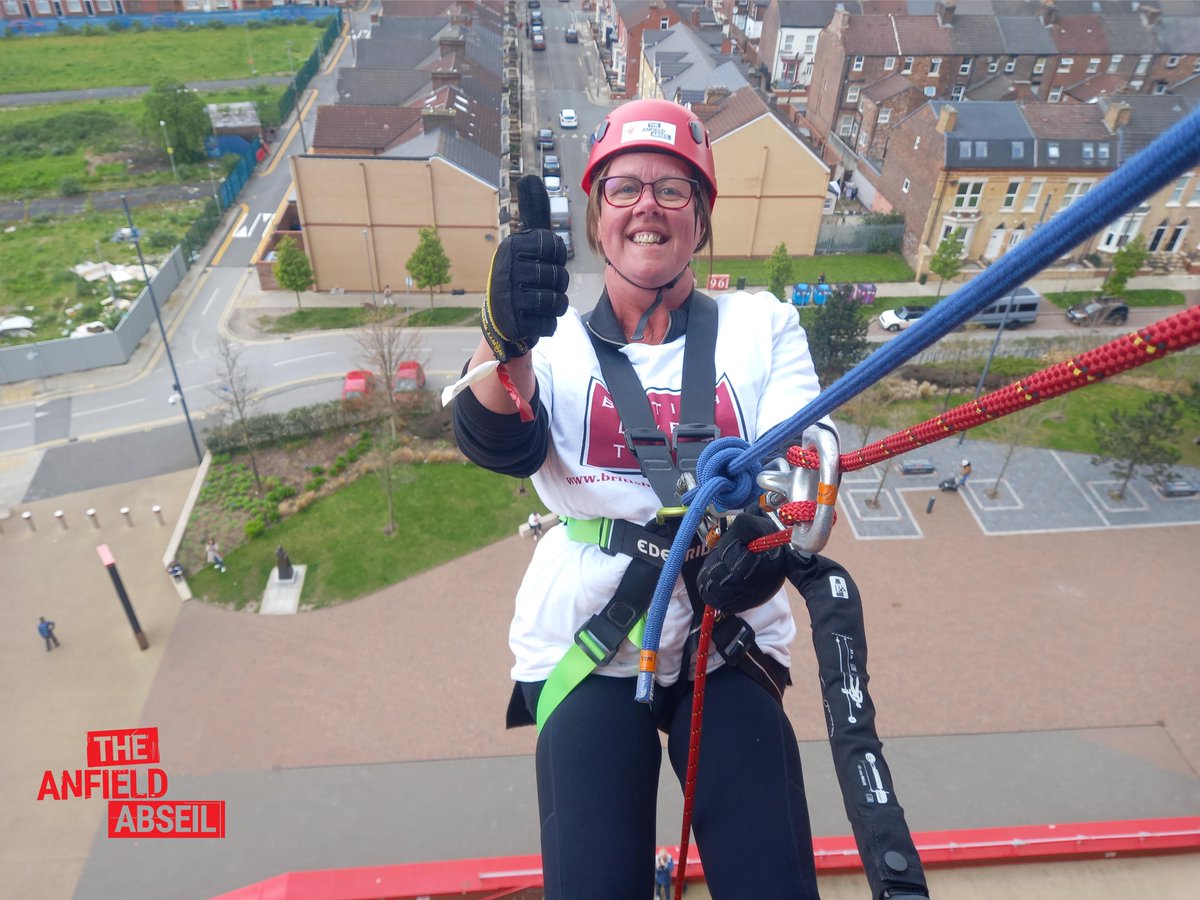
[(647, 548)]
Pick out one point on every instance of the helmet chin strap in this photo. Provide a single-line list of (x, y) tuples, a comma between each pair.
[(639, 333)]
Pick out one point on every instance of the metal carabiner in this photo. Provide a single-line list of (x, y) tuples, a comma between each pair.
[(799, 484)]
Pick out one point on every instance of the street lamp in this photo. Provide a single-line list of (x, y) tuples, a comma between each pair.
[(213, 183), (370, 270), (296, 99), (162, 123)]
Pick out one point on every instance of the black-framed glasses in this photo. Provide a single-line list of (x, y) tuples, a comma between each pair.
[(669, 193)]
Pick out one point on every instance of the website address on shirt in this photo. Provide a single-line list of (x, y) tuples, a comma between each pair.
[(603, 476)]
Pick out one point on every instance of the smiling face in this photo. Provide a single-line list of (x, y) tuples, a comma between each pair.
[(646, 243)]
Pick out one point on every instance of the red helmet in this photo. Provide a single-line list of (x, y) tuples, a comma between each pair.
[(658, 125)]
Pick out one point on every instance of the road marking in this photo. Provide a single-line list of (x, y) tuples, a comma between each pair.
[(18, 425), (101, 409), (204, 312), (288, 362), (216, 260), (248, 228)]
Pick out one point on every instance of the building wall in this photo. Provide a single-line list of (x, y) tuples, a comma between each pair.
[(392, 199), (772, 189)]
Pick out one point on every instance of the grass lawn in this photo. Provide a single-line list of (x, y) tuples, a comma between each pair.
[(332, 317), (36, 279), (63, 63), (444, 316), (1161, 297), (444, 510), (807, 269)]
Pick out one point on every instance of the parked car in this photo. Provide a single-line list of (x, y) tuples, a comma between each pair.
[(900, 317), (410, 376), (568, 119), (566, 239), (538, 41), (1012, 311), (551, 167), (535, 4), (535, 18), (536, 29), (357, 385), (1101, 311), (545, 139), (554, 185), (572, 35)]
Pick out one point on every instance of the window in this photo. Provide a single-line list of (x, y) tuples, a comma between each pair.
[(1018, 150), (1074, 190), (958, 92), (1177, 193), (1160, 87), (1194, 200), (964, 149), (1055, 95), (1114, 63), (1157, 235), (788, 41), (1089, 153), (1031, 198), (1010, 195), (1196, 65), (11, 8), (889, 63), (917, 143), (1040, 66), (993, 65), (1065, 63), (852, 93), (43, 6), (968, 194), (1010, 66), (935, 65), (664, 23), (1172, 61), (1093, 65), (1102, 152), (930, 91), (858, 63), (904, 187), (1017, 236), (845, 126), (1124, 229), (885, 115), (810, 43), (965, 67), (908, 64), (981, 149), (1143, 64), (1052, 150), (1176, 237)]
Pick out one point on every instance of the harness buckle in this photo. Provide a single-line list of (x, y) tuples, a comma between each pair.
[(732, 642), (692, 433), (600, 636), (650, 448)]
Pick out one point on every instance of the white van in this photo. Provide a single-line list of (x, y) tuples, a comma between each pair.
[(1012, 311), (560, 214)]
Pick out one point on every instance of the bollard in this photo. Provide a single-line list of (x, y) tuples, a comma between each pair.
[(125, 513), (28, 517), (91, 514), (62, 518), (929, 506), (157, 510)]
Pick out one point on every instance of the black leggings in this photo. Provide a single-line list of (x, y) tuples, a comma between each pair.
[(598, 759)]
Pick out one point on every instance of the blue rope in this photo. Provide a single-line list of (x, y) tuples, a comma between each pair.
[(729, 466)]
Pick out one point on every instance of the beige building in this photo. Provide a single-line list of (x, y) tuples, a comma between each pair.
[(772, 185)]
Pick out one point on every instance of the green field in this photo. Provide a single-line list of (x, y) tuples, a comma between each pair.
[(807, 269), (64, 63)]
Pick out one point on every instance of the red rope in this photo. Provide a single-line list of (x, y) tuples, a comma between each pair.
[(689, 782)]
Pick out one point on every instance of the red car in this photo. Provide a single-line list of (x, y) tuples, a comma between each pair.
[(409, 376), (357, 385)]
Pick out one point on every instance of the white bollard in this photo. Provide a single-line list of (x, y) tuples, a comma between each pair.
[(62, 519), (28, 517), (91, 514), (125, 513), (157, 510)]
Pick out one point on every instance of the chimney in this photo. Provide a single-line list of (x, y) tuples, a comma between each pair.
[(947, 119), (1116, 115), (726, 46), (1150, 15), (841, 19), (449, 77), (696, 17), (945, 10), (456, 41), (714, 95), (435, 118), (1049, 13)]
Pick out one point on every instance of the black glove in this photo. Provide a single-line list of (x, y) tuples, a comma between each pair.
[(733, 579), (527, 286)]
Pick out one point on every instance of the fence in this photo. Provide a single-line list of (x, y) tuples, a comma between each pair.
[(43, 26), (850, 233), (308, 71)]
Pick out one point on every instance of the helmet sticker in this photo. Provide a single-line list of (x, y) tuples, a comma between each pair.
[(663, 132)]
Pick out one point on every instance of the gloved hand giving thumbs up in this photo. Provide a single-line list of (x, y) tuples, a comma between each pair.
[(527, 287)]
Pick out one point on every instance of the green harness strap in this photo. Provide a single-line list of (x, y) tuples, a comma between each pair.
[(572, 669)]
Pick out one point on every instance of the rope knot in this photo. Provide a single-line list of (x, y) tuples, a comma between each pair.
[(733, 491)]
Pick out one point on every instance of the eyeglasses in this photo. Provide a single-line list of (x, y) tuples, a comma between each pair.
[(669, 193)]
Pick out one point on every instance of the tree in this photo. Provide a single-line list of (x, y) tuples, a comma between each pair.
[(237, 397), (383, 345), (185, 117), (837, 335), (1139, 438), (292, 268), (428, 264), (1018, 430), (1125, 263), (946, 261), (779, 271)]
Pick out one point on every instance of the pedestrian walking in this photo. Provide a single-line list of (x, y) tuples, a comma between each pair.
[(387, 295), (46, 630), (535, 525), (212, 552), (664, 867), (964, 472)]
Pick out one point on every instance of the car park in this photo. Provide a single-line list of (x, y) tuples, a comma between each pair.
[(551, 167), (900, 317), (571, 35), (538, 41), (567, 241), (568, 119), (357, 385), (1102, 311), (545, 139)]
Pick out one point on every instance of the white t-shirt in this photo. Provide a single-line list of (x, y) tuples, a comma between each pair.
[(764, 375)]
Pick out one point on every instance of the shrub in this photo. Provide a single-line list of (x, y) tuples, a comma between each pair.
[(317, 470), (160, 240), (70, 186), (352, 454), (216, 24), (116, 25), (254, 528), (316, 484), (219, 459), (138, 25), (279, 494)]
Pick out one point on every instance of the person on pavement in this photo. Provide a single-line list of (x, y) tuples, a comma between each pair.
[(552, 412)]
